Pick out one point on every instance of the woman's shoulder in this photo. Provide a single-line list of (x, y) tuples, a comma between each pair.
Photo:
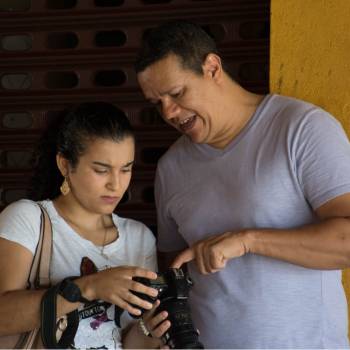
[(21, 207), (20, 223)]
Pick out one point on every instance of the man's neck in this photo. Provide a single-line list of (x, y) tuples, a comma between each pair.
[(237, 108)]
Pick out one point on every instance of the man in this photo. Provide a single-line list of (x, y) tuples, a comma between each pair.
[(257, 194)]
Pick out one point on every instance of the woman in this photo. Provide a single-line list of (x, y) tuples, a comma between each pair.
[(81, 175)]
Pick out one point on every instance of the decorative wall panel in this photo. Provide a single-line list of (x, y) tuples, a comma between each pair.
[(55, 53)]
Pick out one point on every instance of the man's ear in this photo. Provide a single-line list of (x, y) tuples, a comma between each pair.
[(212, 66), (62, 164)]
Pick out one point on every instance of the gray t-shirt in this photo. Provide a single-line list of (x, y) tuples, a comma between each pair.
[(290, 158), (73, 255)]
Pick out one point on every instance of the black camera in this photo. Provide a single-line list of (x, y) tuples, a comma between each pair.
[(173, 288)]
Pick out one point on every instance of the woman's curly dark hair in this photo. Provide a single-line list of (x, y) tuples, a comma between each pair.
[(69, 135)]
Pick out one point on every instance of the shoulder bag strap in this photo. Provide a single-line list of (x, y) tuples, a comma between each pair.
[(39, 273), (39, 276), (43, 273)]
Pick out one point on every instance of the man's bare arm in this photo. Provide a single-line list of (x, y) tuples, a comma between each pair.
[(323, 245)]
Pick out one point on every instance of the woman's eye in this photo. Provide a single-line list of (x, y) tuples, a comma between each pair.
[(100, 171), (126, 170)]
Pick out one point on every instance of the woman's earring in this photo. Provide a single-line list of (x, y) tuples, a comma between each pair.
[(65, 187)]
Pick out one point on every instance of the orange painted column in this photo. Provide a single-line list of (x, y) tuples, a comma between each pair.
[(309, 58)]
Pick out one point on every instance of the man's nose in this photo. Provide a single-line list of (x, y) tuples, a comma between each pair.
[(170, 109)]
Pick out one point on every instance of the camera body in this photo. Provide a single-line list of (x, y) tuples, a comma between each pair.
[(173, 289)]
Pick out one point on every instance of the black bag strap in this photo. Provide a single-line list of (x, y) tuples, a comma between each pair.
[(50, 325)]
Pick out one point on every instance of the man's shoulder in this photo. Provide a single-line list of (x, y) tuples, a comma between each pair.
[(294, 111), (292, 104)]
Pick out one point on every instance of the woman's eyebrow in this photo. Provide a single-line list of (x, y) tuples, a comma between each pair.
[(102, 164), (128, 164), (109, 166)]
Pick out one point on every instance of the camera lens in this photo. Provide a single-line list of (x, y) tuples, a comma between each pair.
[(173, 287), (182, 334), (189, 281)]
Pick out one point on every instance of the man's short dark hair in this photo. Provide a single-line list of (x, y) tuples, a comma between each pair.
[(186, 40)]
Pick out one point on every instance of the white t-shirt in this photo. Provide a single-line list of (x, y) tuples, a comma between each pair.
[(71, 254)]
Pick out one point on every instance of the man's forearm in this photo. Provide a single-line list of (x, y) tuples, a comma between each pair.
[(325, 245)]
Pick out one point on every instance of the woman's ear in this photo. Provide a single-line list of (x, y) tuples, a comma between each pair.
[(212, 66), (62, 164)]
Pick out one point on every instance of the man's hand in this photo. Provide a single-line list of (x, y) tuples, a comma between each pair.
[(212, 254)]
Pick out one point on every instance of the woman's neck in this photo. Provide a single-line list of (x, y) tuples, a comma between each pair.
[(98, 228)]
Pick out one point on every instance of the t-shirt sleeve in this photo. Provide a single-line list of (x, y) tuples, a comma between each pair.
[(20, 223), (169, 239), (322, 158)]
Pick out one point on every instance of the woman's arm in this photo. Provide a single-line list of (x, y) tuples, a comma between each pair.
[(133, 338), (20, 308)]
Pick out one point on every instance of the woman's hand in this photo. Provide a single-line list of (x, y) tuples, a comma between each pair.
[(150, 324), (156, 323), (116, 285)]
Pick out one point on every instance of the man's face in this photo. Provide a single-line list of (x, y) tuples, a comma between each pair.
[(186, 100)]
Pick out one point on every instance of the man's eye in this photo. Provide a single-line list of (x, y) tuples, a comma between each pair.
[(176, 94), (126, 170), (100, 171)]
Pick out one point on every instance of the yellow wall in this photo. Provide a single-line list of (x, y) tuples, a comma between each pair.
[(310, 58)]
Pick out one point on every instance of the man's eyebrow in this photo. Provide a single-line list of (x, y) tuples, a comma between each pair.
[(162, 93), (170, 90)]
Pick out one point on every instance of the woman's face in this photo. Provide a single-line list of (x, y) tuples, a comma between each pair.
[(102, 174)]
